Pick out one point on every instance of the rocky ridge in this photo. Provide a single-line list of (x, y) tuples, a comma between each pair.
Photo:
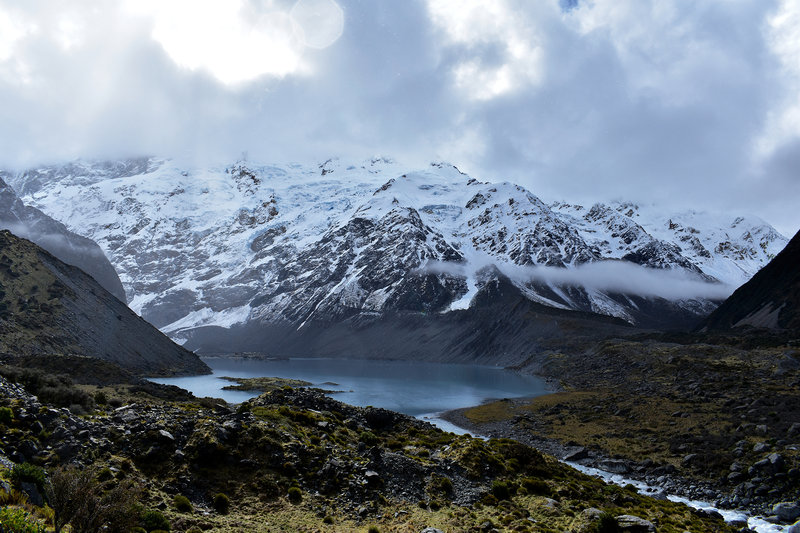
[(770, 300), (30, 223), (50, 308)]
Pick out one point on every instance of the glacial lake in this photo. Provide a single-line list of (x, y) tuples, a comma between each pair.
[(414, 388)]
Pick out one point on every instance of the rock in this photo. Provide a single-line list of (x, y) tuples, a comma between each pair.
[(794, 528), (793, 430), (615, 466), (709, 513), (166, 435), (760, 447), (592, 513), (577, 455), (736, 477), (28, 448), (634, 524), (761, 429), (689, 459), (786, 511), (431, 530), (777, 461), (34, 496), (373, 478)]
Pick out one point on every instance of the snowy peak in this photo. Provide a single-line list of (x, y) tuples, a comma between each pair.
[(727, 248), (297, 244)]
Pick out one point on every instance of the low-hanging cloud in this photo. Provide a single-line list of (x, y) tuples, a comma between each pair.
[(609, 276)]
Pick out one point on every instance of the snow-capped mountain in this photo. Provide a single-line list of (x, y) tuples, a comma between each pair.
[(298, 247)]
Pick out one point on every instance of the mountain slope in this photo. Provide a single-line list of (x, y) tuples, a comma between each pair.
[(295, 248), (771, 299), (48, 307), (30, 223)]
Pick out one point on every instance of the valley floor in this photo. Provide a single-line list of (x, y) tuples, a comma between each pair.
[(712, 422), (289, 460)]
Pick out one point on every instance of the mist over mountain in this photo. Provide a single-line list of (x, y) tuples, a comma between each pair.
[(282, 251), (30, 223)]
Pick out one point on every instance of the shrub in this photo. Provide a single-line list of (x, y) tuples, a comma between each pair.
[(606, 524), (327, 520), (501, 490), (6, 415), (100, 398), (368, 438), (373, 529), (295, 494), (536, 486), (115, 402), (27, 472), (104, 474), (153, 520), (13, 497), (182, 504), (17, 521), (441, 484), (222, 503), (79, 499)]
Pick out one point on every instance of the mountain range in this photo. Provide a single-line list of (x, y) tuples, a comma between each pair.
[(296, 258)]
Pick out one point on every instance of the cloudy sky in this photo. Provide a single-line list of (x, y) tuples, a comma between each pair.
[(676, 102)]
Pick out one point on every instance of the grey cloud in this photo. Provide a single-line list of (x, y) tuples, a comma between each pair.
[(670, 118)]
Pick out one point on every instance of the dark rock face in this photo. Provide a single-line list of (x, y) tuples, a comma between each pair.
[(30, 223), (48, 307), (771, 299)]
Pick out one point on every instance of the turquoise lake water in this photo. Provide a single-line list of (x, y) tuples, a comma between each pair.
[(414, 388)]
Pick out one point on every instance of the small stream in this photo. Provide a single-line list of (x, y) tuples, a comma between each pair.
[(755, 523)]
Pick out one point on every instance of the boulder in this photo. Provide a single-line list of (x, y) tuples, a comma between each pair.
[(577, 455), (786, 511), (615, 466), (32, 491), (761, 447), (634, 524)]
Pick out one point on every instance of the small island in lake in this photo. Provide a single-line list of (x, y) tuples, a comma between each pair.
[(263, 384)]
